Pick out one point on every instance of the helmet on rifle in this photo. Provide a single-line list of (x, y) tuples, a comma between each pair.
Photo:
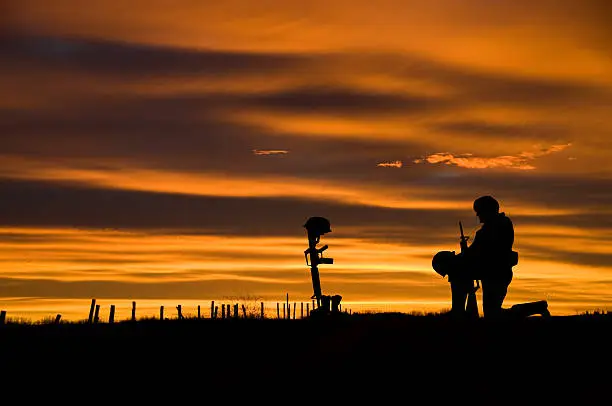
[(317, 226), (486, 204), (443, 262)]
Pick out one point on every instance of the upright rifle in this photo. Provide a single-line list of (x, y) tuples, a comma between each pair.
[(472, 306), (316, 227)]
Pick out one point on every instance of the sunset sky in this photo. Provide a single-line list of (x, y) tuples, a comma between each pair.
[(169, 152)]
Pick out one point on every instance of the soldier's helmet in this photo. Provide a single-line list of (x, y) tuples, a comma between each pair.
[(443, 262), (486, 204), (317, 225)]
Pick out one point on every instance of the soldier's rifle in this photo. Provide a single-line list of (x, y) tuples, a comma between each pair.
[(472, 305)]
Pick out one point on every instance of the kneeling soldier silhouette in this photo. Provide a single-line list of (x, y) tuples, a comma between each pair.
[(489, 259)]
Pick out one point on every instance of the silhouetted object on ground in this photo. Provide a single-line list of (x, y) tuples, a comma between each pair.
[(521, 310), (472, 304), (316, 227), (489, 259), (92, 308)]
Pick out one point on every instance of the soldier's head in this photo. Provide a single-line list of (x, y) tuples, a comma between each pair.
[(486, 208)]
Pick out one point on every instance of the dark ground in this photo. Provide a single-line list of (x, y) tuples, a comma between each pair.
[(369, 358)]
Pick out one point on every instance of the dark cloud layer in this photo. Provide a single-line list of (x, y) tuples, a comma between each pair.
[(505, 132), (199, 131), (128, 60), (49, 288), (571, 256), (184, 133), (34, 204), (40, 204)]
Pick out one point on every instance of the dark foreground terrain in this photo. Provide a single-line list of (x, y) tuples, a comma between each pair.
[(368, 358)]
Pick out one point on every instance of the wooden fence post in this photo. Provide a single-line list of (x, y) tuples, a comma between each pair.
[(97, 314), (199, 315), (244, 311), (212, 309), (307, 309), (262, 310), (236, 310), (179, 308), (161, 312), (58, 318), (294, 306), (216, 312), (2, 317), (111, 317), (277, 310), (288, 308), (222, 310), (133, 311), (91, 311), (284, 310)]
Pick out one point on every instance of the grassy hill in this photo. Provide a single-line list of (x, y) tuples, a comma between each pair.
[(390, 355)]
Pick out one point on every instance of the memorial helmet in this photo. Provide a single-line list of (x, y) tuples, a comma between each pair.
[(317, 225), (443, 262)]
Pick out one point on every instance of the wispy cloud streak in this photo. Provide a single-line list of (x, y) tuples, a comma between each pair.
[(522, 161), (392, 164), (270, 151)]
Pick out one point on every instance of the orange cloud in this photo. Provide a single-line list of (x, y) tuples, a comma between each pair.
[(520, 161), (494, 35), (392, 164), (270, 151)]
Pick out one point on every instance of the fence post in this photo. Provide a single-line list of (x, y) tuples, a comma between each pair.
[(216, 312), (301, 310), (222, 310), (91, 311), (57, 318), (111, 317), (294, 306), (161, 312), (2, 317), (307, 309), (277, 310), (244, 311), (262, 310), (179, 308), (133, 311), (97, 314), (212, 309), (199, 312), (284, 310)]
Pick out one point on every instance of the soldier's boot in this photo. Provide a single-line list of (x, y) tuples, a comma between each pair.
[(522, 310)]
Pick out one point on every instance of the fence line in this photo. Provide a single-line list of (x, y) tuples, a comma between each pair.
[(227, 311)]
